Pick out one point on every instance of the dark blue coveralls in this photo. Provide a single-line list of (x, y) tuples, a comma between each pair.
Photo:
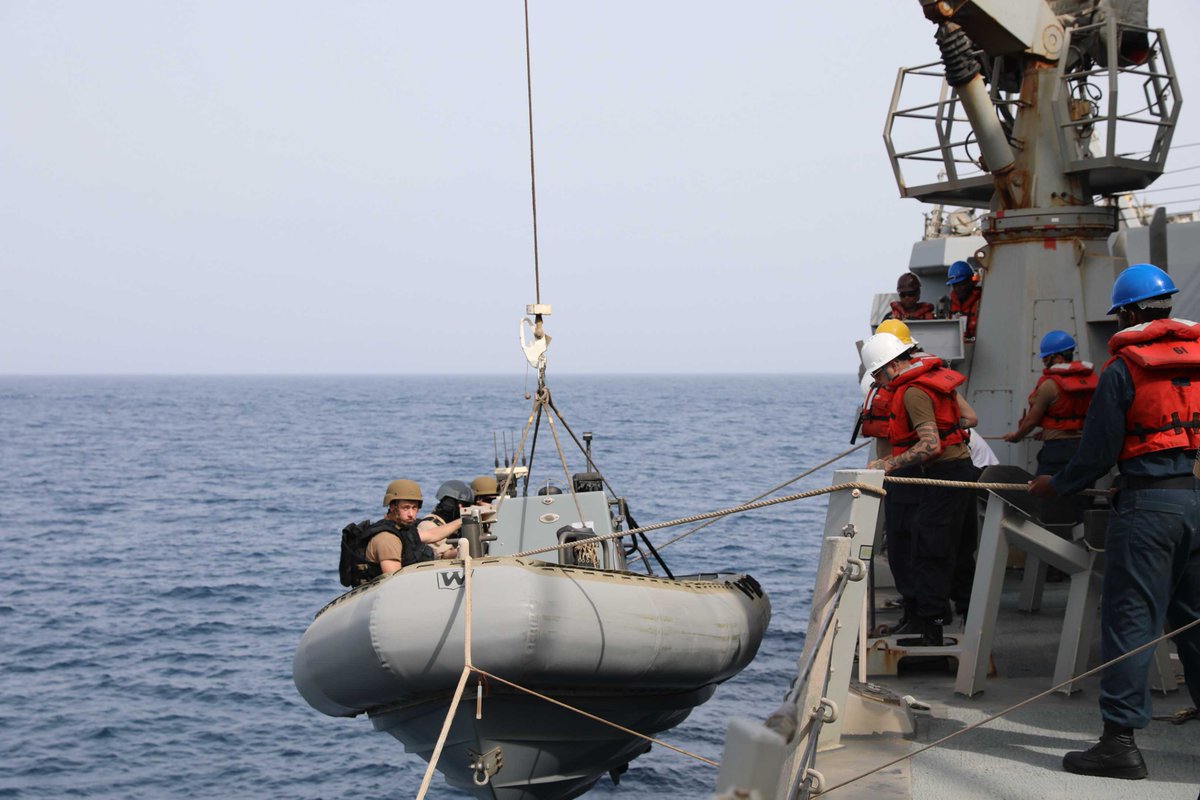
[(1152, 551)]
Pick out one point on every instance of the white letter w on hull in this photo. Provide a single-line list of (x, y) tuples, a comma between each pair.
[(450, 579)]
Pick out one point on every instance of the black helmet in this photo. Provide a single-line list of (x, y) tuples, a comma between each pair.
[(456, 490)]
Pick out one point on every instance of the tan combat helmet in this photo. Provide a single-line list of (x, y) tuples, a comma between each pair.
[(485, 485), (402, 489)]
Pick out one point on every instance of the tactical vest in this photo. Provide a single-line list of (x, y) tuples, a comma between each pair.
[(968, 308), (939, 383), (1076, 384), (354, 568), (1163, 358), (921, 311)]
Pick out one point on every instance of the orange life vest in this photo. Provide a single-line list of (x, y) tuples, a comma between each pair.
[(939, 383), (1076, 384), (968, 308), (921, 311), (877, 410), (1163, 358)]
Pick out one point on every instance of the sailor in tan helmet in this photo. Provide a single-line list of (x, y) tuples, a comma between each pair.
[(485, 490), (396, 542)]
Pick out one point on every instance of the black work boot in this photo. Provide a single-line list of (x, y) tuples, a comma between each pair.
[(1116, 755), (931, 635), (907, 626)]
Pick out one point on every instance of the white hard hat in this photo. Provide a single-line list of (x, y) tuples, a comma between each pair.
[(867, 382), (881, 349)]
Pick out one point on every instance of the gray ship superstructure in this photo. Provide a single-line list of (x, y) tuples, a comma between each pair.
[(1038, 121)]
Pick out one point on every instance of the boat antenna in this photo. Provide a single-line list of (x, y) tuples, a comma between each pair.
[(505, 435), (495, 451)]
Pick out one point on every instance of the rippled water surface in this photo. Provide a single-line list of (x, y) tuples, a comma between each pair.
[(167, 540)]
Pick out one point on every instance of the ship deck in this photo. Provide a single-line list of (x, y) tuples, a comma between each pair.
[(1019, 755)]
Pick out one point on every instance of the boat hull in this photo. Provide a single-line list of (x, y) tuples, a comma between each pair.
[(637, 650), (549, 753)]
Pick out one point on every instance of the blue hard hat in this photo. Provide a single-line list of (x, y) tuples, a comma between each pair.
[(1056, 342), (959, 271), (1140, 282)]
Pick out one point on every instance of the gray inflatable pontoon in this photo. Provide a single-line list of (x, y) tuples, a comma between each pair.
[(637, 650)]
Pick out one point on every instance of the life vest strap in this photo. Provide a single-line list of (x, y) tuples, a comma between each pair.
[(1176, 425)]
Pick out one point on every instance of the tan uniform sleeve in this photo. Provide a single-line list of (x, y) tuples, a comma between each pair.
[(1044, 397), (918, 406), (384, 547), (441, 545)]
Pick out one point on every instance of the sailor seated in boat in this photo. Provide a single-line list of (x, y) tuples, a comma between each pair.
[(446, 519), (486, 490), (398, 542)]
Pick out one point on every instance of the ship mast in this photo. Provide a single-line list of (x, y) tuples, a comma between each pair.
[(1045, 108)]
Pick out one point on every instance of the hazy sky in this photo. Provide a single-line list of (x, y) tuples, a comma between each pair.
[(302, 187)]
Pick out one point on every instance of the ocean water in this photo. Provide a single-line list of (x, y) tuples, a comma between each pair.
[(165, 542)]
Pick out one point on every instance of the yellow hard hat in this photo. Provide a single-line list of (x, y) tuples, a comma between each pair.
[(484, 485), (896, 328), (402, 489)]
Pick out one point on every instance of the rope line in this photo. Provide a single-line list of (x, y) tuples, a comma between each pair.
[(770, 491), (566, 470), (469, 668), (829, 611), (508, 478), (864, 487), (537, 281), (592, 717), (462, 679), (999, 487), (441, 742), (1016, 706)]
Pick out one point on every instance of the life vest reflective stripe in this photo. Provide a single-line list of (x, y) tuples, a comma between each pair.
[(939, 383), (876, 412), (920, 311), (1076, 384), (1163, 359), (968, 308)]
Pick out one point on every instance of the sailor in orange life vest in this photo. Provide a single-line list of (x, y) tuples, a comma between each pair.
[(873, 421), (1145, 418), (927, 438), (1058, 403), (909, 306), (964, 296)]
